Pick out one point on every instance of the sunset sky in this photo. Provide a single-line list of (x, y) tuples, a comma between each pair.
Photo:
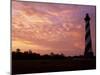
[(49, 27)]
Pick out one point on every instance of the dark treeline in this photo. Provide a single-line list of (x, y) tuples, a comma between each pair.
[(29, 55)]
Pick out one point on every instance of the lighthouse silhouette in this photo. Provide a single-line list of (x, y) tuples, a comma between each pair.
[(88, 42)]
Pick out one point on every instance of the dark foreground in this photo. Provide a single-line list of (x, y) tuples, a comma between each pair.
[(39, 66)]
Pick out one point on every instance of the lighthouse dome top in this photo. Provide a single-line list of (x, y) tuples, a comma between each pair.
[(87, 18)]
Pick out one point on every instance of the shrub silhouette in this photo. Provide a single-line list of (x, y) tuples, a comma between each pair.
[(29, 55)]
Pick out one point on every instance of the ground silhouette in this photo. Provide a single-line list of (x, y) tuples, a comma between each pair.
[(31, 62)]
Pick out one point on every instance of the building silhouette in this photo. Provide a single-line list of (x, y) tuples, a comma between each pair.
[(88, 42)]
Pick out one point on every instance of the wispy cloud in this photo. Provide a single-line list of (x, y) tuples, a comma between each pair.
[(50, 27)]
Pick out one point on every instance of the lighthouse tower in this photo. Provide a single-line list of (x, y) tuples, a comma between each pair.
[(88, 43)]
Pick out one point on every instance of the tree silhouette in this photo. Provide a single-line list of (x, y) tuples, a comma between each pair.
[(18, 50), (29, 55)]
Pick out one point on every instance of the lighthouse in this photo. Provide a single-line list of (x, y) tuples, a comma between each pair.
[(88, 42)]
